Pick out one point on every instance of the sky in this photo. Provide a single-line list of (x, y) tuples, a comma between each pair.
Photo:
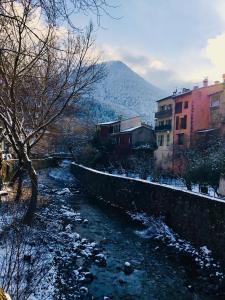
[(171, 43)]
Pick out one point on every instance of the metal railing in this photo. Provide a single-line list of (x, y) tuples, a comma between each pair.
[(163, 127), (163, 113)]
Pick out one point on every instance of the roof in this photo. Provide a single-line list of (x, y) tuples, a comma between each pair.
[(109, 123), (222, 84), (117, 121), (132, 129), (175, 95), (168, 97), (181, 94)]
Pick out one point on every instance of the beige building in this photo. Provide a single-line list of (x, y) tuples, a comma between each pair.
[(217, 109), (164, 134)]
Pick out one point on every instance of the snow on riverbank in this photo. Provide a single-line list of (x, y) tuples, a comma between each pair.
[(56, 260), (155, 228)]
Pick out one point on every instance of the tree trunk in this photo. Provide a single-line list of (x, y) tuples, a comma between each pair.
[(16, 174), (34, 192), (19, 187)]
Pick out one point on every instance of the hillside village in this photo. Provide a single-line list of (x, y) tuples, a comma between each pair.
[(187, 121)]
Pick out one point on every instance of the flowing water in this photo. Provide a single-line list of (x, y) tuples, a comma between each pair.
[(161, 271)]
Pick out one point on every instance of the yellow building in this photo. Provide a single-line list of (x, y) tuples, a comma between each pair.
[(164, 134)]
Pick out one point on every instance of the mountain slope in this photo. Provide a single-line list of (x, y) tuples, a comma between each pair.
[(123, 92)]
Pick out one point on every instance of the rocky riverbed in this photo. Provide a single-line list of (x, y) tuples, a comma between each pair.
[(91, 251)]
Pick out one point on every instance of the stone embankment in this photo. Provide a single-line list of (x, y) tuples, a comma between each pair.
[(199, 219)]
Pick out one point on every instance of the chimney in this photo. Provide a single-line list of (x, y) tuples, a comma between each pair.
[(216, 82), (205, 82), (195, 87), (223, 78)]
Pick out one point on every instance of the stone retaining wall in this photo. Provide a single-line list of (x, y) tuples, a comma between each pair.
[(197, 218), (9, 166)]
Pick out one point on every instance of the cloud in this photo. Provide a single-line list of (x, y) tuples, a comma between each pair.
[(215, 53), (208, 61), (184, 69), (219, 7)]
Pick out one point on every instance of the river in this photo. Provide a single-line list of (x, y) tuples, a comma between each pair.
[(161, 271)]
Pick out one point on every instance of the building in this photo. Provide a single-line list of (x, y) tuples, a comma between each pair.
[(133, 138), (207, 105), (106, 129), (194, 117), (126, 134), (164, 133), (182, 128)]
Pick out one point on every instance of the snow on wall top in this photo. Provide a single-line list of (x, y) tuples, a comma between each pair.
[(152, 183)]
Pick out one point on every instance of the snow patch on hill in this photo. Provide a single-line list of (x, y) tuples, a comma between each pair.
[(123, 92)]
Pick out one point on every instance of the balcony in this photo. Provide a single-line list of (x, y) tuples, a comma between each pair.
[(163, 113), (163, 127)]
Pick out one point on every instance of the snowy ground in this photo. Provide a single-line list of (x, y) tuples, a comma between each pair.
[(54, 244), (174, 182), (65, 260)]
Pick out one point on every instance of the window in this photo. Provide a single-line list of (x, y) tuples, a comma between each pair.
[(215, 101), (186, 104), (165, 107), (180, 139), (160, 140), (183, 124), (177, 123), (178, 108), (161, 123), (116, 128), (168, 122), (168, 139)]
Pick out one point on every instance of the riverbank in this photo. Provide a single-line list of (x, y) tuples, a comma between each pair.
[(84, 246)]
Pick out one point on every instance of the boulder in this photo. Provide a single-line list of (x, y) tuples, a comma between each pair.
[(128, 269)]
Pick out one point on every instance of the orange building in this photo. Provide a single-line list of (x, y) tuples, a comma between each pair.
[(182, 128), (198, 114), (204, 103)]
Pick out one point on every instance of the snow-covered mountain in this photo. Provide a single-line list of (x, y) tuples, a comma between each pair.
[(123, 92)]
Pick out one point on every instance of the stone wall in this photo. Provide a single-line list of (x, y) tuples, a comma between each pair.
[(197, 218), (9, 166)]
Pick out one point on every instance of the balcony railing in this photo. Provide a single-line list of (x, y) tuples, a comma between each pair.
[(163, 127), (163, 113)]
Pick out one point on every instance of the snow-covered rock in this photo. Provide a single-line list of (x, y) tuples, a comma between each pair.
[(128, 269), (64, 191)]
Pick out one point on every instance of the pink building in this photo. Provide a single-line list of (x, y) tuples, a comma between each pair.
[(197, 116)]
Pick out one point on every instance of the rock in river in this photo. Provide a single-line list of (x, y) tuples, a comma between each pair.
[(128, 269)]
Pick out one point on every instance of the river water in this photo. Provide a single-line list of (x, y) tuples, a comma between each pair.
[(161, 271)]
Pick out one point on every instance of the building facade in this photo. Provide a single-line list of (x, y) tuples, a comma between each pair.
[(136, 137), (164, 134), (196, 116), (126, 134), (106, 129)]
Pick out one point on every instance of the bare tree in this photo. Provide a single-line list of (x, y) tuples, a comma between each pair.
[(23, 265), (43, 67)]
